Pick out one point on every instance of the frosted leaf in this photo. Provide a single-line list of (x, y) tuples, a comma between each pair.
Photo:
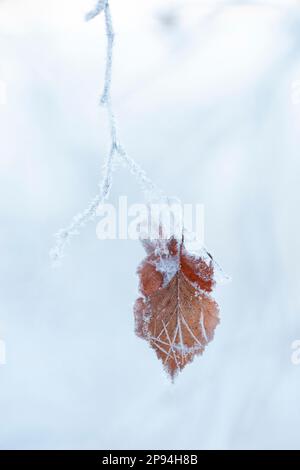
[(175, 313)]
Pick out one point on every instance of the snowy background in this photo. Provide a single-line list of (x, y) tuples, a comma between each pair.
[(206, 98)]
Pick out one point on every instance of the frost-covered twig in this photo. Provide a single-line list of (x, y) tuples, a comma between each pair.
[(116, 149), (105, 98), (97, 10)]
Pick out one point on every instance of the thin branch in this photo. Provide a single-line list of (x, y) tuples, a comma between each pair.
[(99, 7), (64, 236)]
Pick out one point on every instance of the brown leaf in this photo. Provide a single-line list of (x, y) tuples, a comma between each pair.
[(176, 313)]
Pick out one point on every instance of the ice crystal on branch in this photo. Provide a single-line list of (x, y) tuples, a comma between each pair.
[(99, 7)]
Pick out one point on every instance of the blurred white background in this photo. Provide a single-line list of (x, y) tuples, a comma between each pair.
[(206, 98)]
